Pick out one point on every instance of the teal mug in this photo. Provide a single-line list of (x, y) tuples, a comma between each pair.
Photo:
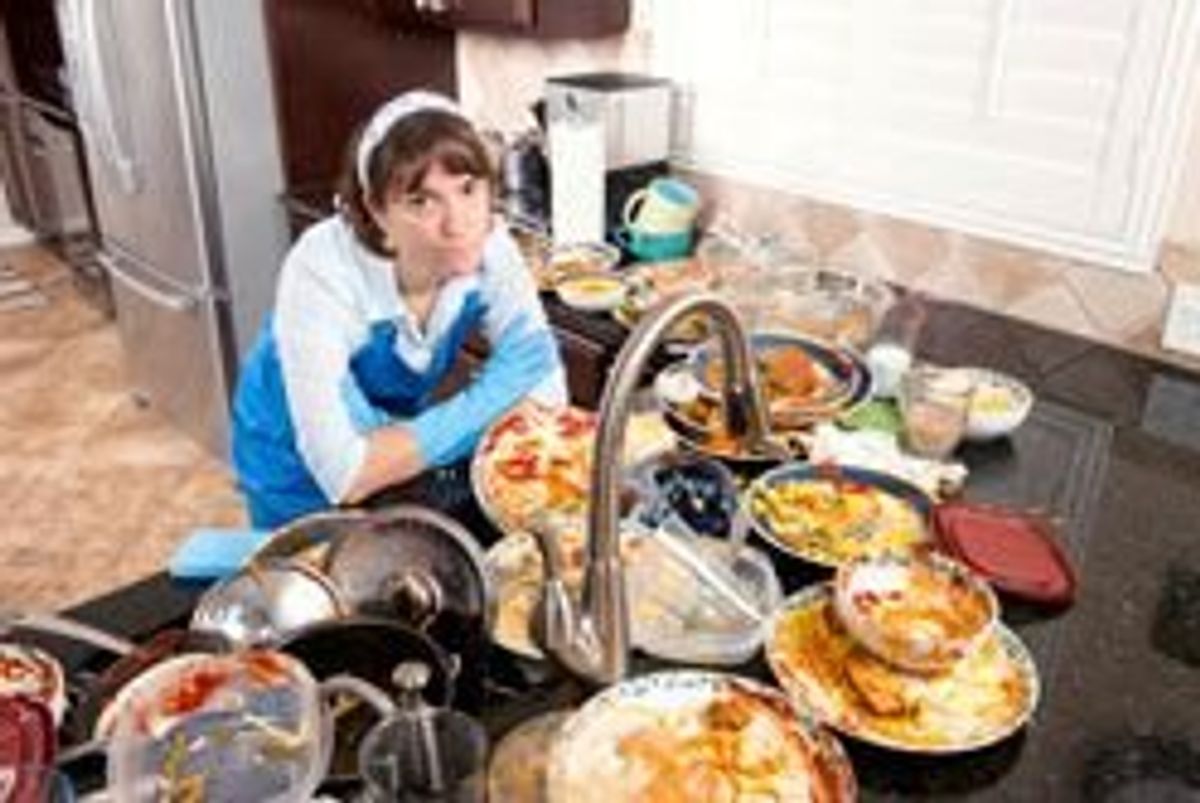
[(664, 205), (650, 246)]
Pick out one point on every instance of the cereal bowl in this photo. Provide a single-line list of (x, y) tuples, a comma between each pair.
[(592, 292)]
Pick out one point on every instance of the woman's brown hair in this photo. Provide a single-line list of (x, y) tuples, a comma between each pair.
[(400, 162)]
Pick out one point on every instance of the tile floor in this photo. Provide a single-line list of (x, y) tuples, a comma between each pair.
[(95, 491)]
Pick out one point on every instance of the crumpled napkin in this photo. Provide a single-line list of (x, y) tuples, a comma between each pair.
[(880, 451)]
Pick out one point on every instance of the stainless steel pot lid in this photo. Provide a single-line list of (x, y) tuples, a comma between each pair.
[(266, 601), (413, 564)]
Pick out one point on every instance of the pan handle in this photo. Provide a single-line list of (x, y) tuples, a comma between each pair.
[(61, 626)]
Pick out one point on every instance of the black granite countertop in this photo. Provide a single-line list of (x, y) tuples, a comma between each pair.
[(1113, 447)]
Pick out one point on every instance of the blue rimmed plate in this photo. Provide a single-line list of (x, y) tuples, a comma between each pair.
[(830, 515), (803, 381)]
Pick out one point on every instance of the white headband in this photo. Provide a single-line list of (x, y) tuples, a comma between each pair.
[(391, 113)]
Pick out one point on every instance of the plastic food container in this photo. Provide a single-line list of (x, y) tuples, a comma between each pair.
[(701, 600), (919, 611)]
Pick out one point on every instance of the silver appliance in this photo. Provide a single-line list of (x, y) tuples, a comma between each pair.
[(174, 100), (609, 133)]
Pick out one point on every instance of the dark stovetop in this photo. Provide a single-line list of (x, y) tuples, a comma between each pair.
[(1113, 447)]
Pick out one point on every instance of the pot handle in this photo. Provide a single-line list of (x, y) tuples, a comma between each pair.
[(61, 626), (360, 689)]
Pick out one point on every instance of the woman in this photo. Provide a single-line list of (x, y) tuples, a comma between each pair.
[(373, 304)]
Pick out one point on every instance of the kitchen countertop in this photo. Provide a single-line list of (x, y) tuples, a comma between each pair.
[(1113, 448)]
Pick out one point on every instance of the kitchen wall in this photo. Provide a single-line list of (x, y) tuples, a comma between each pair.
[(500, 76)]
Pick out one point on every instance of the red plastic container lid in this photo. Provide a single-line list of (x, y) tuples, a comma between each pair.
[(1015, 551)]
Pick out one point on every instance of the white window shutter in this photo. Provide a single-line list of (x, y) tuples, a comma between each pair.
[(1054, 123)]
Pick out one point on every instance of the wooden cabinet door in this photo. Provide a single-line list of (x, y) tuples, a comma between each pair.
[(541, 18), (484, 13)]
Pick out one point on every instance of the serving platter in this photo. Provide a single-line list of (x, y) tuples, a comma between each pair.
[(829, 515), (689, 735), (981, 700)]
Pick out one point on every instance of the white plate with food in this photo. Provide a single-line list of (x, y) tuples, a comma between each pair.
[(534, 460), (692, 736), (981, 700)]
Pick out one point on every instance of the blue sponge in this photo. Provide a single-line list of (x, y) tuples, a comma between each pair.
[(211, 553)]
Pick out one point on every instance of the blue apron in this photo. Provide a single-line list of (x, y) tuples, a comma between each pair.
[(271, 471)]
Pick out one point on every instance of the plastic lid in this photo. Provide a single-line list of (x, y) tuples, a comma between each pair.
[(413, 563), (1015, 551), (266, 601), (700, 600)]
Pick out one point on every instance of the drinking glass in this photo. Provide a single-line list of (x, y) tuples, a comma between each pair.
[(934, 403)]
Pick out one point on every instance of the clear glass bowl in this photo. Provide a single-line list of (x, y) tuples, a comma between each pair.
[(835, 306)]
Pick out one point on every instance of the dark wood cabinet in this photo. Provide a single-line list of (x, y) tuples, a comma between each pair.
[(335, 62), (541, 18)]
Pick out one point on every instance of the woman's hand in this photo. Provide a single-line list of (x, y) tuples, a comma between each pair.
[(393, 456)]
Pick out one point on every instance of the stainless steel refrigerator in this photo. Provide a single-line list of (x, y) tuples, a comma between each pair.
[(174, 100)]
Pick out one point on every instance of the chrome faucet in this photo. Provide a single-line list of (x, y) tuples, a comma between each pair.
[(591, 638)]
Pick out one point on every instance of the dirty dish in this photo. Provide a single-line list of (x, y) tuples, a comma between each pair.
[(591, 292), (981, 700), (534, 460), (685, 736), (920, 612), (831, 515)]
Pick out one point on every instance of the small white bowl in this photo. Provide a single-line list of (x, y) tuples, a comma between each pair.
[(592, 292), (999, 404)]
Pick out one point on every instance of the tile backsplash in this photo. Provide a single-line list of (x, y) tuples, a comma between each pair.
[(501, 77)]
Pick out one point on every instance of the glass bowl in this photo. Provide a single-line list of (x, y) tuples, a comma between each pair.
[(834, 306)]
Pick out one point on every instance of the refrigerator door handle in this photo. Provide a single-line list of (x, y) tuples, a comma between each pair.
[(176, 302), (102, 105)]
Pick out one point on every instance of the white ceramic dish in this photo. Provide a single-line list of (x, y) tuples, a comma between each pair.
[(999, 404), (592, 292)]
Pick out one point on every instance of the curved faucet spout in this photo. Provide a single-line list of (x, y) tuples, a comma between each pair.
[(592, 639)]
